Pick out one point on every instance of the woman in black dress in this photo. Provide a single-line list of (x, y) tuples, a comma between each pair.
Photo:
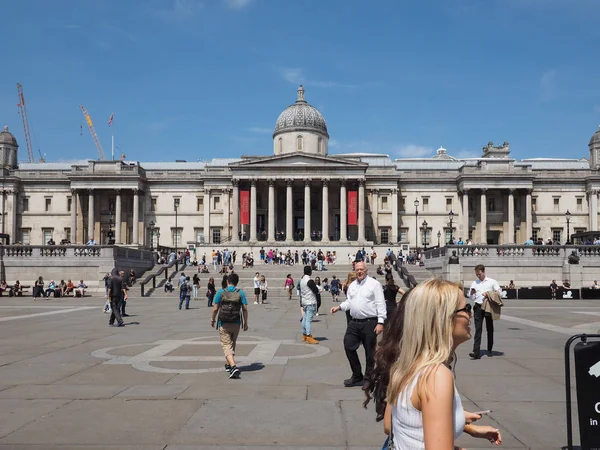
[(390, 292)]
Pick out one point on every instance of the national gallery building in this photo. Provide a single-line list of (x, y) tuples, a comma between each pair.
[(300, 194)]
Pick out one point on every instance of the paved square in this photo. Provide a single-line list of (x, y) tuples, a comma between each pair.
[(69, 381)]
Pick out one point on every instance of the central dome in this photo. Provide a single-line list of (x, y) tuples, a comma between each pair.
[(301, 117), (7, 138)]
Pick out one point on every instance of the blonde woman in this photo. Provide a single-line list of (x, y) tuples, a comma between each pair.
[(424, 409)]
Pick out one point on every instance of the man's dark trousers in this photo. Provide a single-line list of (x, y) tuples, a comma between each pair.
[(360, 332), (123, 303), (115, 307), (478, 315)]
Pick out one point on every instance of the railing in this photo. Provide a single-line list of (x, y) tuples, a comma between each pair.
[(515, 251), (79, 251), (161, 270)]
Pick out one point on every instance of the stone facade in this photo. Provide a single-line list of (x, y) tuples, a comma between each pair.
[(300, 194)]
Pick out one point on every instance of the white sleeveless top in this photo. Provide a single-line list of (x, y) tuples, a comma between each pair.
[(407, 421)]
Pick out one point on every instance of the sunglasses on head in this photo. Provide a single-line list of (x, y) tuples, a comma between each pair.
[(468, 309)]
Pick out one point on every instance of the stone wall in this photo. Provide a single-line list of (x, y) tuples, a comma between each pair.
[(90, 263)]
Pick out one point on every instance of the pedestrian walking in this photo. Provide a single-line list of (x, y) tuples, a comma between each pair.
[(263, 289), (116, 291), (481, 291), (289, 285), (231, 309), (184, 293), (308, 301), (196, 285), (210, 291), (366, 304)]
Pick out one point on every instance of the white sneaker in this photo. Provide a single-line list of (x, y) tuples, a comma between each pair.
[(256, 303), (316, 314)]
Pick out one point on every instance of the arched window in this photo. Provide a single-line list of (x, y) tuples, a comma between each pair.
[(300, 143), (320, 150), (280, 145)]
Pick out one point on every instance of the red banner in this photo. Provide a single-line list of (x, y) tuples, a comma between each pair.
[(245, 207), (352, 207)]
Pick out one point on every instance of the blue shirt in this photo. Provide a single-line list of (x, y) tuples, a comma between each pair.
[(217, 299)]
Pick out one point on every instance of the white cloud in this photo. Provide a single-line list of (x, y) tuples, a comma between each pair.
[(462, 154), (238, 4), (260, 130), (413, 151), (548, 89), (333, 143), (294, 76)]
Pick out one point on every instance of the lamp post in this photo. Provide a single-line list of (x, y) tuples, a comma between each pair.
[(111, 223), (416, 203), (175, 234), (425, 235), (568, 217), (451, 215), (439, 235), (152, 234)]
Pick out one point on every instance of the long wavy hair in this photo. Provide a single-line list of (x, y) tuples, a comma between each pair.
[(430, 309), (386, 355)]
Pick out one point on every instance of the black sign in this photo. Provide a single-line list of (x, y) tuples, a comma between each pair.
[(587, 374)]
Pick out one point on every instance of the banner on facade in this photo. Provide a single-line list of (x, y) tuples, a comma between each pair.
[(352, 207), (245, 207)]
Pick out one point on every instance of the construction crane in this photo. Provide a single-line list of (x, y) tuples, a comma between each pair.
[(90, 125), (23, 111)]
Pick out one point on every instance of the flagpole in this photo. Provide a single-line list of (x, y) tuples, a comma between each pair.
[(112, 130)]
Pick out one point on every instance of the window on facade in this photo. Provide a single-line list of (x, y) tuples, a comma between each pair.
[(403, 204), (384, 202), (47, 233), (556, 204), (534, 234), (199, 234), (384, 235), (426, 236), (448, 204), (25, 236), (216, 203), (69, 204), (300, 143), (579, 204), (68, 234), (470, 233), (48, 204), (425, 204), (153, 201), (403, 235), (176, 203), (216, 235), (557, 234), (280, 141), (320, 145), (25, 204), (200, 204), (492, 204), (176, 236), (533, 204), (579, 230)]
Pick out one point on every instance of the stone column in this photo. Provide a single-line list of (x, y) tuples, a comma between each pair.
[(289, 211), (91, 219), (394, 216), (206, 201), (361, 211), (235, 225), (136, 217), (593, 210), (343, 212), (325, 212), (511, 217), (253, 210), (118, 219), (2, 207), (13, 223), (73, 215), (465, 215), (528, 215), (271, 212), (307, 229), (226, 195), (483, 234)]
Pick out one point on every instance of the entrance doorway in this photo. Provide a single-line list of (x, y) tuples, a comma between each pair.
[(493, 237)]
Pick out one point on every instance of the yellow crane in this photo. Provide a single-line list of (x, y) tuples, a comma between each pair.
[(90, 125), (23, 111)]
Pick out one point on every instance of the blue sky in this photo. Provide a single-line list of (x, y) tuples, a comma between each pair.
[(197, 79)]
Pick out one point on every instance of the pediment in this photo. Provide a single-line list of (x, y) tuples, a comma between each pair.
[(301, 160)]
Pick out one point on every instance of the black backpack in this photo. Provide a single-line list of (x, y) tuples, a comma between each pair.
[(230, 306)]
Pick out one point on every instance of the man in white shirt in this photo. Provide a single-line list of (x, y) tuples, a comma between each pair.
[(256, 287), (366, 304), (478, 293)]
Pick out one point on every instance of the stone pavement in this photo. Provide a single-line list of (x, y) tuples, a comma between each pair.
[(68, 381)]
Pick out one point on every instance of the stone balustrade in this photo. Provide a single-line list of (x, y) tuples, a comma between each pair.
[(509, 251)]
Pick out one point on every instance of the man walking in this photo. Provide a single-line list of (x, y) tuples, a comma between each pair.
[(184, 293), (308, 302), (116, 290), (366, 304), (479, 294), (230, 305), (256, 287)]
